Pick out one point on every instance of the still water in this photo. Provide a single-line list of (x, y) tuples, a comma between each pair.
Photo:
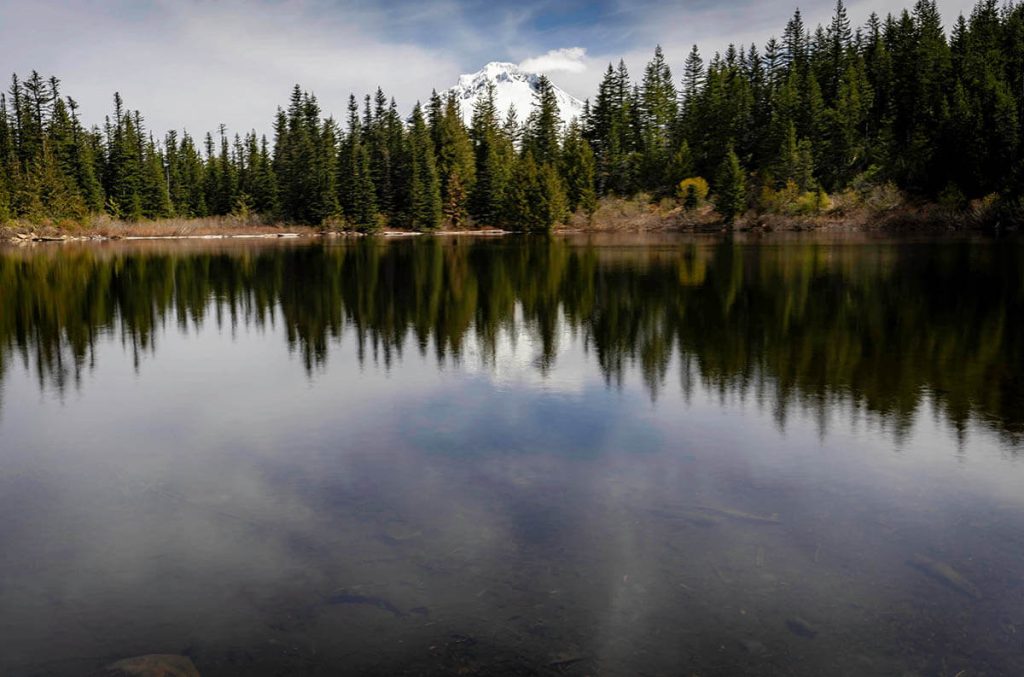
[(514, 456)]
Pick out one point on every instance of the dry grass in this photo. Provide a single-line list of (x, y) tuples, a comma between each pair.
[(640, 214), (105, 227), (885, 211)]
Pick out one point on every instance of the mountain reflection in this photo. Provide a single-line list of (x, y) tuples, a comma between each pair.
[(881, 327)]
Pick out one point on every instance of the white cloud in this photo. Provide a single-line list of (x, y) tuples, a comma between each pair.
[(196, 64), (567, 59)]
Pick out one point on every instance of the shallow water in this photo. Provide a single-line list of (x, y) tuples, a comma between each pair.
[(654, 456)]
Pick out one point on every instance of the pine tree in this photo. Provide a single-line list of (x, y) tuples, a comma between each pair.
[(794, 39), (456, 199), (256, 190), (455, 162), (657, 115), (364, 214), (543, 124), (682, 163), (731, 188), (425, 190), (325, 165), (305, 163), (774, 64), (382, 158), (212, 179), (154, 194), (83, 162), (401, 167), (521, 195), (124, 164), (46, 192), (188, 193), (577, 169), (487, 199), (5, 198), (551, 207), (839, 39)]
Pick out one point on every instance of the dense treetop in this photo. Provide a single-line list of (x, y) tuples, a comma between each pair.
[(903, 101)]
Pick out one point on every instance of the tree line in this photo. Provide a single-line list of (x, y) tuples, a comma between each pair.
[(895, 102)]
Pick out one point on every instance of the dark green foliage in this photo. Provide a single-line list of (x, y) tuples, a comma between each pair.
[(154, 195), (542, 127), (186, 172), (611, 130), (535, 200), (690, 199), (364, 213), (493, 160), (46, 192), (682, 163), (257, 184), (456, 199), (577, 169), (657, 117), (456, 166), (357, 193), (551, 207), (305, 162), (425, 189), (730, 188)]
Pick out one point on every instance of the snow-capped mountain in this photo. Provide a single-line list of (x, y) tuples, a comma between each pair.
[(512, 87)]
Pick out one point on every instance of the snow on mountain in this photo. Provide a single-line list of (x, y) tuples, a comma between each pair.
[(512, 87)]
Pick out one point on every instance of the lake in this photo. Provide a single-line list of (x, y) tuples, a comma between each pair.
[(642, 456)]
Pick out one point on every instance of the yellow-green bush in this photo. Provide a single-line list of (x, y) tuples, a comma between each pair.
[(693, 192), (792, 201)]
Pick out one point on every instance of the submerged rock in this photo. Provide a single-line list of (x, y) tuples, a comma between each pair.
[(754, 647), (739, 515), (801, 628), (152, 665), (343, 598), (945, 574)]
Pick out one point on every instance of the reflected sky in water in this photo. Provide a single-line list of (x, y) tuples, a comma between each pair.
[(514, 457)]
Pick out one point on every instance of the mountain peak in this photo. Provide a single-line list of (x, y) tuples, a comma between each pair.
[(513, 86)]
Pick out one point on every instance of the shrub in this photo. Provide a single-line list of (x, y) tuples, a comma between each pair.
[(812, 202), (693, 192), (792, 201), (884, 197), (952, 198)]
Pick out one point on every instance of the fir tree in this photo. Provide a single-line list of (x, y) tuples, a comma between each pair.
[(455, 162), (577, 169), (731, 188), (543, 125), (487, 199), (364, 209), (657, 116), (424, 191), (154, 194), (551, 207)]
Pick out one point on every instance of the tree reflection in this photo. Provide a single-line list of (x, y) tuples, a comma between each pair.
[(881, 327)]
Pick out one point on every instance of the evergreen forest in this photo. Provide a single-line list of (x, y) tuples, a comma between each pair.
[(852, 113)]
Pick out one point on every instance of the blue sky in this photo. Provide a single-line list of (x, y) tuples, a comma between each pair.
[(199, 63)]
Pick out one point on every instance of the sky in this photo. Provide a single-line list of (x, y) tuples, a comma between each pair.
[(196, 64)]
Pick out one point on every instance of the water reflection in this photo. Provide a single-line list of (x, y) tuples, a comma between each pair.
[(513, 457), (880, 327)]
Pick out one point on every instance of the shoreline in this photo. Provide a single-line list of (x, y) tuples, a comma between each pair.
[(37, 238), (616, 217)]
